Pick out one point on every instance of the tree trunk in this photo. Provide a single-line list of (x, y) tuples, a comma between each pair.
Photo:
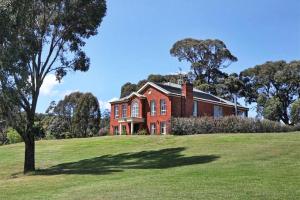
[(29, 163), (28, 137)]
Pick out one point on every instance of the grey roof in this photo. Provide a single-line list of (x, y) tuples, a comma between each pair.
[(176, 89)]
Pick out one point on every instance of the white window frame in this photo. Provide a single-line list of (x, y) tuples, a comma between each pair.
[(152, 108), (163, 107), (195, 109), (153, 128), (124, 110), (163, 128), (135, 109), (218, 111), (116, 111)]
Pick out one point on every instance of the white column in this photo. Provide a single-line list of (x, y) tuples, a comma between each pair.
[(120, 129), (131, 130)]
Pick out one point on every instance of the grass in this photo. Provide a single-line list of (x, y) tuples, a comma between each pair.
[(219, 166)]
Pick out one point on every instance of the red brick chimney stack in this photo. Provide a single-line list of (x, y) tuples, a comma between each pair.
[(187, 92)]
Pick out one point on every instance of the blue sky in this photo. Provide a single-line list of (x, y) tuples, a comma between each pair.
[(136, 35)]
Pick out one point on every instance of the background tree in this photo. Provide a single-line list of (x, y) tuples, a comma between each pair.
[(105, 122), (37, 38), (295, 112), (230, 87), (77, 115), (86, 120), (66, 108), (274, 86), (207, 58), (127, 89)]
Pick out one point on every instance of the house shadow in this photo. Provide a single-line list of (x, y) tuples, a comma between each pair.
[(154, 159)]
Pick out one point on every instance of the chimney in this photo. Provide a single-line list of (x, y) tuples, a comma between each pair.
[(187, 93)]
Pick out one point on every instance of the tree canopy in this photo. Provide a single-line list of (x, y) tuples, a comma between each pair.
[(77, 115), (274, 86), (207, 58), (38, 37)]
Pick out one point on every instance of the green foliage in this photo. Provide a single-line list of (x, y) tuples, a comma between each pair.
[(77, 115), (230, 124), (272, 109), (86, 120), (37, 38), (127, 89), (49, 136), (143, 132), (207, 58), (295, 112), (13, 136), (274, 86)]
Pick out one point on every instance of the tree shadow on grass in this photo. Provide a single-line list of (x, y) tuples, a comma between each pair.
[(155, 159)]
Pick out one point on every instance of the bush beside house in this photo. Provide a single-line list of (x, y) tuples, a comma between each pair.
[(229, 124)]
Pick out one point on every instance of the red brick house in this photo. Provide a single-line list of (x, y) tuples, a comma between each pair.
[(152, 107)]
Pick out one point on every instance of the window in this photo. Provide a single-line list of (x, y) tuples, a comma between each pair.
[(135, 109), (124, 111), (195, 109), (116, 111), (163, 128), (152, 128), (218, 111), (163, 107), (152, 108), (116, 130)]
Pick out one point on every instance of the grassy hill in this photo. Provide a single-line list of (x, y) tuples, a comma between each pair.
[(233, 166)]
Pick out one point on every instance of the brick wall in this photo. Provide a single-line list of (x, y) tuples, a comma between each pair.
[(153, 94)]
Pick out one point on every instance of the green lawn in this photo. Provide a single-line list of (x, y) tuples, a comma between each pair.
[(232, 166)]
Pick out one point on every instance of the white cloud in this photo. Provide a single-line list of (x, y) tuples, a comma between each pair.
[(105, 104), (47, 88)]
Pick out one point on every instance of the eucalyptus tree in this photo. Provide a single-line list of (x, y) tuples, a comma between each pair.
[(274, 86), (207, 58), (87, 116), (37, 38)]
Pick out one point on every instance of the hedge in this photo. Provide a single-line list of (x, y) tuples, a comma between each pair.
[(228, 124)]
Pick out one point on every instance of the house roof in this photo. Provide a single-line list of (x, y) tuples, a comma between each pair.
[(128, 97), (176, 90)]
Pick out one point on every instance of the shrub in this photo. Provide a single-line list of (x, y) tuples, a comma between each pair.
[(49, 136), (228, 124), (103, 131), (13, 136), (143, 132)]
